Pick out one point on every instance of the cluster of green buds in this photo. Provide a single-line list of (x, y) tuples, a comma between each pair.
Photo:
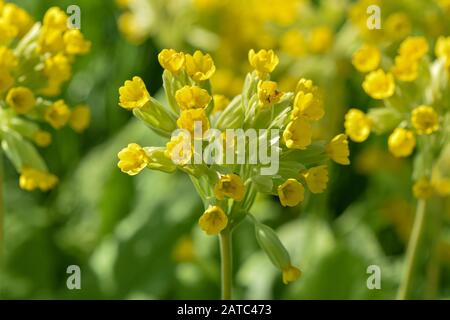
[(35, 61), (414, 92), (258, 142)]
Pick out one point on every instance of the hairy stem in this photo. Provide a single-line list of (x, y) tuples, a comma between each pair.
[(226, 258), (412, 251)]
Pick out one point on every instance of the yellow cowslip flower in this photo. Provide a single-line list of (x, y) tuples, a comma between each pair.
[(440, 183), (425, 120), (132, 159), (32, 179), (42, 138), (199, 67), (307, 86), (192, 97), (57, 114), (379, 85), (367, 58), (171, 60), (442, 49), (268, 93), (58, 68), (179, 149), (357, 125), (397, 25), (17, 17), (7, 31), (316, 178), (405, 68), (321, 39), (50, 41), (298, 134), (6, 81), (75, 43), (413, 47), (80, 118), (338, 150), (401, 142), (8, 60), (264, 61), (188, 118), (293, 43), (220, 102), (133, 94), (213, 220), (291, 193), (52, 89), (423, 189), (291, 274), (230, 185), (21, 99), (55, 18), (308, 106)]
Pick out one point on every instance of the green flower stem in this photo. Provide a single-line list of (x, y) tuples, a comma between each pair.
[(226, 257), (2, 213), (405, 289)]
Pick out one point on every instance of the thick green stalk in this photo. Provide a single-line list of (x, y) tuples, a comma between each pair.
[(406, 286), (226, 258)]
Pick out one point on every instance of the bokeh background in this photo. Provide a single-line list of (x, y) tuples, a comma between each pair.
[(137, 237)]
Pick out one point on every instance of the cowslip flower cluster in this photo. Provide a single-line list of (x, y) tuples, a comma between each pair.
[(413, 91), (228, 186), (35, 61)]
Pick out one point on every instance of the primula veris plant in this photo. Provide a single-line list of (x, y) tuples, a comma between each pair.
[(228, 185)]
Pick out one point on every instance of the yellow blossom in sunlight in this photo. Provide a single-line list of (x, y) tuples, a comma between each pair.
[(179, 149), (321, 39), (75, 43), (398, 25), (213, 220), (32, 179), (293, 43), (199, 66), (171, 60), (357, 125), (316, 178), (17, 17), (57, 114), (7, 31), (338, 150), (50, 40), (132, 159), (268, 93), (192, 97), (189, 117), (6, 81), (80, 118), (220, 102), (55, 18), (405, 68), (231, 186), (379, 85), (291, 193), (133, 94), (442, 49), (401, 142), (423, 189), (264, 61), (425, 120), (291, 274), (42, 138), (298, 134), (21, 99), (58, 68), (8, 60), (414, 47), (308, 106), (367, 58)]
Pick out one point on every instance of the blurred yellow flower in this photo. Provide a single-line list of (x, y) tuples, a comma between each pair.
[(132, 159), (291, 274), (58, 68), (21, 99), (75, 43), (357, 125), (6, 81), (192, 97), (366, 59), (308, 106), (321, 39), (316, 178), (133, 94), (405, 68), (31, 179), (171, 60), (442, 49), (293, 43), (55, 18), (425, 120), (57, 114), (7, 31), (268, 93), (220, 102), (80, 118), (17, 17), (264, 61), (42, 138), (401, 142), (199, 67), (184, 250), (8, 60), (229, 185), (291, 193), (423, 189), (414, 47), (298, 134), (397, 25), (338, 150), (188, 118), (379, 85), (213, 220)]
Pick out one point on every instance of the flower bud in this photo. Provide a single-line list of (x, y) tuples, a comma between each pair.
[(272, 246), (384, 120), (156, 117)]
